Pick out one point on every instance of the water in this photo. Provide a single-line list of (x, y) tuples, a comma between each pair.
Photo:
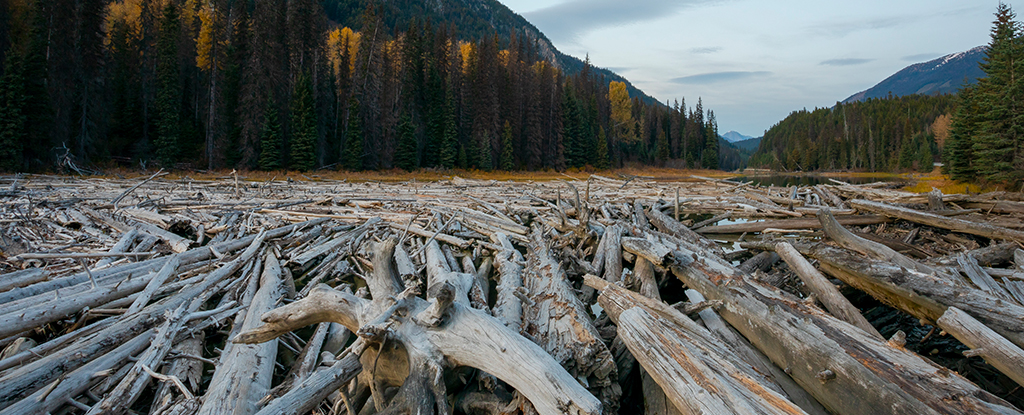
[(786, 180)]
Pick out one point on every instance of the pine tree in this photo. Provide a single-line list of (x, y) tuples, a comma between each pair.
[(406, 157), (483, 153), (168, 93), (709, 160), (354, 137), (600, 156), (999, 142), (960, 147), (303, 123), (662, 148), (449, 137), (270, 141), (12, 120), (507, 155)]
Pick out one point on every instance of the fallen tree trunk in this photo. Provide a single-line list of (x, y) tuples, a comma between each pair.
[(995, 349), (790, 224), (827, 293), (847, 370), (953, 224)]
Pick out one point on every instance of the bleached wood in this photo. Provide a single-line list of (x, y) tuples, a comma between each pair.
[(983, 341)]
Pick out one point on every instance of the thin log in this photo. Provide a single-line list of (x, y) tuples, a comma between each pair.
[(875, 250), (953, 224), (995, 349), (678, 230), (825, 292), (790, 224)]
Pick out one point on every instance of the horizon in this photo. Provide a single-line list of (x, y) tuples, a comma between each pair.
[(751, 70)]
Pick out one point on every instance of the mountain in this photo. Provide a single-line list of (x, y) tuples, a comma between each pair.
[(731, 157), (473, 20), (944, 75), (733, 136)]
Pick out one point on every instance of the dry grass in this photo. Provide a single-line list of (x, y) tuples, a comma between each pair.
[(398, 175), (925, 182)]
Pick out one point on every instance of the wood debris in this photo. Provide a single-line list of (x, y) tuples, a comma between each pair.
[(167, 296)]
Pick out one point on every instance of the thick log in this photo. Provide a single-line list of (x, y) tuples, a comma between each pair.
[(828, 294), (754, 357), (25, 277), (244, 372), (845, 369), (308, 394), (995, 349), (508, 308), (790, 224), (691, 376), (558, 322), (953, 224)]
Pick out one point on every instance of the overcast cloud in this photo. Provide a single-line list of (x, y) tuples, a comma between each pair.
[(754, 61)]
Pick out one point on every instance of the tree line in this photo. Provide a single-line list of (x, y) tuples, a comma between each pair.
[(276, 84), (987, 135), (890, 134)]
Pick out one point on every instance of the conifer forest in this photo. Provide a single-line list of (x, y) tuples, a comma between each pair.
[(279, 84)]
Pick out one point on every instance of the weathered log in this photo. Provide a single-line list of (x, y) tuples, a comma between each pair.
[(29, 378), (672, 227), (761, 364), (688, 373), (875, 250), (790, 224), (461, 336), (22, 278), (865, 376), (981, 279), (558, 322), (995, 349), (760, 262), (953, 224), (244, 372), (308, 394), (508, 308), (990, 256), (827, 293)]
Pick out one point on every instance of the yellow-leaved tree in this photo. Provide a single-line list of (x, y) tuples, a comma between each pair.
[(622, 113)]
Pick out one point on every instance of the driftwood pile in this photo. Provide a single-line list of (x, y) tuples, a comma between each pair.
[(579, 296)]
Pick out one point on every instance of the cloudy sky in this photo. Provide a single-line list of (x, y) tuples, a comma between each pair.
[(755, 61)]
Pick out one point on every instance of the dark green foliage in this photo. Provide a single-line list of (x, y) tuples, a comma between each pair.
[(406, 157), (354, 138), (709, 159), (483, 154), (168, 92), (600, 155), (662, 149), (869, 135), (507, 161), (449, 137), (270, 141), (12, 120), (960, 147), (303, 109)]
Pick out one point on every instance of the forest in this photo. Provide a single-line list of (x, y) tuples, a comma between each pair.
[(891, 134), (277, 84), (987, 134)]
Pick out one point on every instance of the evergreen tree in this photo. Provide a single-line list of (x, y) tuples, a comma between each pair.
[(12, 120), (449, 137), (303, 124), (483, 148), (354, 137), (507, 155), (709, 159), (406, 157), (999, 142), (662, 148), (168, 94), (270, 141), (600, 156), (960, 146)]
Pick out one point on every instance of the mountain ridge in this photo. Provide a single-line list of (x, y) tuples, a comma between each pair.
[(944, 75)]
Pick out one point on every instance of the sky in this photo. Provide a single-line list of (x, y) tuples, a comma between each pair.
[(754, 61)]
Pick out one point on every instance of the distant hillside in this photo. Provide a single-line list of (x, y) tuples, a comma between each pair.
[(731, 157), (944, 75), (749, 144), (733, 136), (473, 20)]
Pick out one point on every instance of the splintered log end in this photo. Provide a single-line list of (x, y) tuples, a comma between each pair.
[(441, 298)]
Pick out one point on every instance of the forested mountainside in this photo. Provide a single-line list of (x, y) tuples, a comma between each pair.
[(897, 133), (274, 84), (474, 20)]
